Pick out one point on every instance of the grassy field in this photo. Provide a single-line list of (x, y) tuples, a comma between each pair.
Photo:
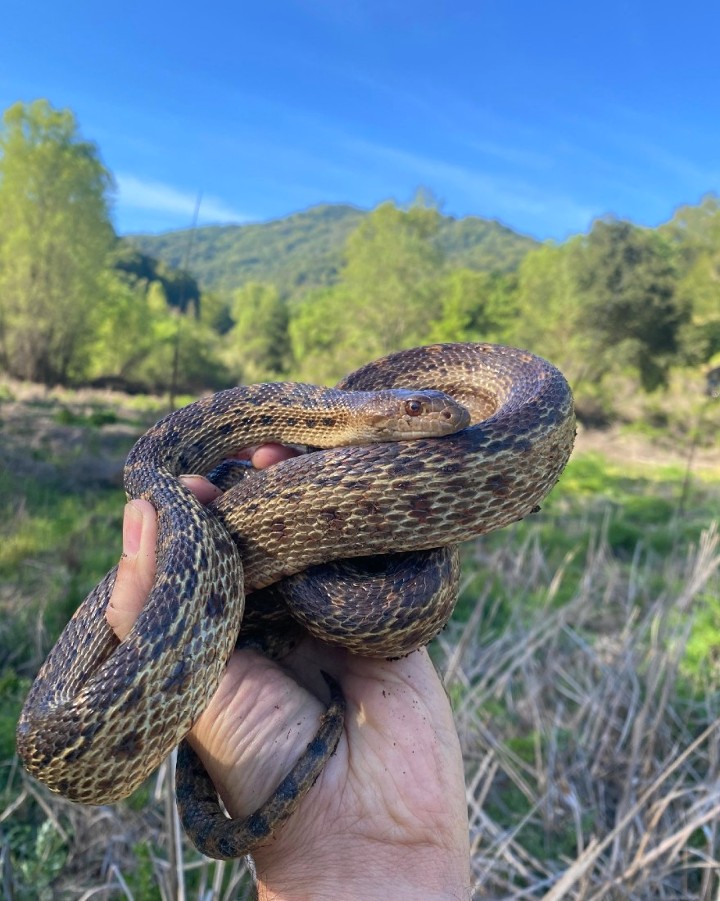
[(583, 664)]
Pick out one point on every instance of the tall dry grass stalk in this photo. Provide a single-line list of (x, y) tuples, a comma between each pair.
[(617, 783)]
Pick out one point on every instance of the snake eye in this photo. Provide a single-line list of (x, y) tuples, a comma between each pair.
[(413, 407)]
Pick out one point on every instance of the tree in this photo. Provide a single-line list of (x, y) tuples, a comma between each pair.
[(387, 297), (695, 228), (547, 310), (181, 288), (695, 232), (626, 282), (143, 341), (55, 235), (216, 312), (258, 343), (474, 306)]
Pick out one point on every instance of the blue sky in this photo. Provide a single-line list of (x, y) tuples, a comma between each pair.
[(543, 115)]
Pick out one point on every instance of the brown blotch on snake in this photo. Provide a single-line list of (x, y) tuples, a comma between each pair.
[(94, 694)]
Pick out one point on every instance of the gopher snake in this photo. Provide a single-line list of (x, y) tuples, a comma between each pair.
[(101, 715)]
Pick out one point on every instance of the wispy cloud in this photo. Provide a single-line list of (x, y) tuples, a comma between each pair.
[(506, 197), (643, 140), (528, 159), (156, 197)]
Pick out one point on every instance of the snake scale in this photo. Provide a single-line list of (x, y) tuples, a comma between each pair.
[(101, 715)]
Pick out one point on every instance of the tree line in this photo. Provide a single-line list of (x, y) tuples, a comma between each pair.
[(79, 305)]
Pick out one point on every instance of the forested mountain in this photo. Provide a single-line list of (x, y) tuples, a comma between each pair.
[(315, 294), (486, 244), (305, 250)]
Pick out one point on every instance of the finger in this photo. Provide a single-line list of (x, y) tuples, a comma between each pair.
[(203, 490), (269, 454), (136, 569)]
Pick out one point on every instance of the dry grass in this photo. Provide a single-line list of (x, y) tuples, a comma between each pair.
[(593, 761), (598, 776), (590, 736), (113, 852)]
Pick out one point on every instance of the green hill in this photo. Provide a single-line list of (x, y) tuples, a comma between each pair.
[(305, 249), (484, 244)]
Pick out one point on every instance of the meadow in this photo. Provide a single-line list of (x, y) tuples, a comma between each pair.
[(582, 662)]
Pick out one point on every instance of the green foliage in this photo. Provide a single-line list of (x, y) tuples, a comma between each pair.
[(548, 311), (54, 539), (315, 294), (96, 418), (387, 297), (39, 856), (181, 289), (55, 236), (258, 343), (304, 251), (483, 244), (135, 337), (295, 253), (474, 306), (635, 509), (314, 331), (695, 228), (142, 881), (625, 279), (701, 661), (71, 309), (695, 232), (144, 341), (216, 312), (13, 691), (613, 302)]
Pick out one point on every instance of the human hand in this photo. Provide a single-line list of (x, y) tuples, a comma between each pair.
[(388, 811)]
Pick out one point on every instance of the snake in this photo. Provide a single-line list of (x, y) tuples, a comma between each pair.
[(418, 451)]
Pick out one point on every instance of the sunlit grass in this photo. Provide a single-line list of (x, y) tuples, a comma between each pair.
[(587, 638)]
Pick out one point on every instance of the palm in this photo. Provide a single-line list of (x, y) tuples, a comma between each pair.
[(394, 787), (383, 779)]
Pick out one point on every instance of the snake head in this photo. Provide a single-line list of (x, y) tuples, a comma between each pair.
[(405, 415)]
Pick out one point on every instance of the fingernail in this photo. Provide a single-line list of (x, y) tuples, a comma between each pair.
[(192, 481), (202, 489), (132, 529)]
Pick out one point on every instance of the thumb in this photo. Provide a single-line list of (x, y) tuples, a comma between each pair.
[(136, 569)]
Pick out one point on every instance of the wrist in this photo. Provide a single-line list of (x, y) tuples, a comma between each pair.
[(365, 874)]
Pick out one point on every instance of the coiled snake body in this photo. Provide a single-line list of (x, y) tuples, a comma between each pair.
[(101, 714)]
